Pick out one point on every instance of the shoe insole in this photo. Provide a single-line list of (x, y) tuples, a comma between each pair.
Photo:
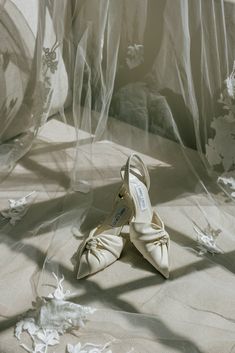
[(140, 195), (118, 217)]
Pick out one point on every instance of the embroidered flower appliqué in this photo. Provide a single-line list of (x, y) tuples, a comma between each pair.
[(59, 292), (44, 90), (17, 209), (135, 55), (88, 348), (206, 240), (228, 179), (50, 318), (220, 149)]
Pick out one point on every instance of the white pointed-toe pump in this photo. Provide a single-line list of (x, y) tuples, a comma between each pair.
[(147, 231), (104, 244)]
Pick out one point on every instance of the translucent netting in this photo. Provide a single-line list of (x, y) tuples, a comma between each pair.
[(83, 85)]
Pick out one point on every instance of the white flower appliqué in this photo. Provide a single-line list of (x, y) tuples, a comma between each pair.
[(135, 55), (206, 240), (17, 209), (228, 179), (51, 317), (220, 149), (230, 83), (59, 292), (90, 348)]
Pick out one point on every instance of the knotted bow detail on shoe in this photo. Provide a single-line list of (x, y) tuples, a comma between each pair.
[(104, 243), (153, 241), (149, 234), (107, 242), (99, 251)]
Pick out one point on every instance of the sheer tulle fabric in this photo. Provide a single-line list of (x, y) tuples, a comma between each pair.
[(83, 85)]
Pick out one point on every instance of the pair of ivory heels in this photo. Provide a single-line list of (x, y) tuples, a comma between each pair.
[(131, 206)]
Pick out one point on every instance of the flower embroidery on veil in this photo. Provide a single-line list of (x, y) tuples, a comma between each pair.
[(229, 180), (90, 348), (220, 149), (17, 209), (135, 55), (206, 240), (51, 317), (44, 90)]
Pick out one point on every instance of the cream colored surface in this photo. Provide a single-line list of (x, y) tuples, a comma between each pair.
[(192, 311)]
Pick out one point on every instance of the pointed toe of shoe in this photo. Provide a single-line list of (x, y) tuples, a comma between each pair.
[(157, 254), (97, 259), (159, 258), (164, 271), (90, 264), (161, 266), (84, 268), (166, 274)]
